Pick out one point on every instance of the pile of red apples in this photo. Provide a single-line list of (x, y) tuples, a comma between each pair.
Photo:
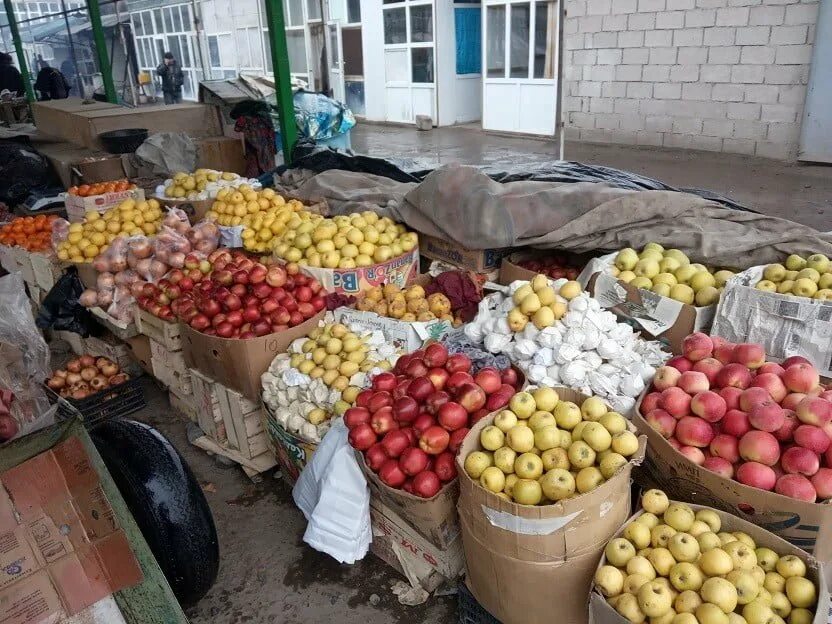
[(764, 424), (411, 421)]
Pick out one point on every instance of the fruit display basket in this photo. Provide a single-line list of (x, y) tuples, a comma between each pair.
[(113, 402)]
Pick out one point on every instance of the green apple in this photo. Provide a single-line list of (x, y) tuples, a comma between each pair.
[(683, 293), (661, 289), (701, 280), (609, 580), (627, 607), (655, 502), (708, 541), (818, 262), (795, 262), (641, 565), (677, 255), (809, 273), (767, 286), (626, 276), (665, 278), (742, 555), (774, 273), (707, 296), (683, 547), (662, 560), (803, 287), (626, 259), (686, 576), (476, 463), (638, 534), (669, 265), (679, 516), (642, 282), (747, 588), (716, 562), (708, 613), (558, 484), (722, 277), (654, 599), (648, 268), (721, 592), (801, 592), (619, 551)]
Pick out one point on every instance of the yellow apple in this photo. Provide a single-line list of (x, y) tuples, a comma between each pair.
[(558, 484), (660, 535), (747, 588), (687, 601), (801, 592), (520, 438), (545, 399), (567, 415), (655, 502), (619, 551), (504, 459), (654, 599), (679, 516), (721, 592), (493, 479), (555, 458), (686, 576), (493, 438), (476, 463), (527, 492), (609, 580), (505, 420), (588, 479), (683, 547), (662, 561), (527, 466), (522, 404), (711, 518), (716, 562), (641, 565), (593, 409)]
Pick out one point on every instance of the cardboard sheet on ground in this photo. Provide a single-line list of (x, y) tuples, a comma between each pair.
[(464, 205), (61, 549)]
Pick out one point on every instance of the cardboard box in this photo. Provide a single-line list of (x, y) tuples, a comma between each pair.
[(784, 324), (601, 612), (434, 518), (478, 260), (236, 363), (56, 117), (206, 398), (139, 347), (76, 164), (396, 543), (47, 270), (291, 451), (61, 548), (660, 318), (222, 154), (122, 329), (806, 525), (525, 563), (77, 207), (404, 335), (511, 271), (399, 270)]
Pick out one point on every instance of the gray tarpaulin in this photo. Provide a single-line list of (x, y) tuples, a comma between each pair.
[(463, 204)]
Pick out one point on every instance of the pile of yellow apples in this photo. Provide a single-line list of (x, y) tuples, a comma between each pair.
[(190, 185), (94, 234), (264, 214), (672, 565), (343, 241), (670, 273), (802, 277), (543, 449), (407, 304), (540, 303)]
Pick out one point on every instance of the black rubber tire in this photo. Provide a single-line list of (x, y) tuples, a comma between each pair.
[(167, 502)]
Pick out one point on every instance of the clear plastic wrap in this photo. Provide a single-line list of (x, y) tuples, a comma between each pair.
[(24, 359), (60, 230), (121, 307)]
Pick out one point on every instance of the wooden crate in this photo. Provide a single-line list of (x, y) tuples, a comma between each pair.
[(169, 367), (209, 416), (243, 420), (185, 404), (123, 330), (163, 332), (253, 467), (47, 270)]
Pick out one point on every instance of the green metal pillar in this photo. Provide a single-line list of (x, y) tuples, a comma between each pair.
[(101, 49), (282, 78), (18, 48)]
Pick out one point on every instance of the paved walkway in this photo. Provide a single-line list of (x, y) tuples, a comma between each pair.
[(795, 191)]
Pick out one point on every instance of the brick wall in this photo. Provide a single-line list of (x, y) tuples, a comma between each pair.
[(719, 75)]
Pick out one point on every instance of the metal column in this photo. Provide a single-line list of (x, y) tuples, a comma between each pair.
[(18, 48), (101, 50), (282, 79)]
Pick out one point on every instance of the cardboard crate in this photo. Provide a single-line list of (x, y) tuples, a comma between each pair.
[(657, 317), (601, 612), (206, 398), (400, 270), (806, 525), (119, 328), (77, 207), (185, 404), (243, 420), (402, 547), (237, 363), (408, 336), (47, 270), (541, 557), (478, 260)]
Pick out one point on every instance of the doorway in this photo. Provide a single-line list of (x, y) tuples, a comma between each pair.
[(520, 81)]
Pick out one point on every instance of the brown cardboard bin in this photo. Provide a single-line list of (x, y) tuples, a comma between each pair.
[(636, 305), (434, 518), (601, 612), (528, 565), (806, 525), (237, 363), (478, 260), (511, 271)]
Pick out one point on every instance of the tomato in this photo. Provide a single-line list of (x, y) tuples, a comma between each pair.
[(84, 190), (72, 190)]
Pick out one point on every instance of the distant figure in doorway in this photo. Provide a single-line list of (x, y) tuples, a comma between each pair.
[(52, 84), (10, 78), (172, 79)]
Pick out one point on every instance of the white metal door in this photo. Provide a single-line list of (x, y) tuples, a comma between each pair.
[(520, 48), (816, 132), (335, 60), (409, 59)]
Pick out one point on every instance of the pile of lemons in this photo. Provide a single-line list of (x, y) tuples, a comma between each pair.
[(344, 241), (91, 237)]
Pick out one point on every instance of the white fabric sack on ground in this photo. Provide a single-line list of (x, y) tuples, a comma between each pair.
[(333, 496)]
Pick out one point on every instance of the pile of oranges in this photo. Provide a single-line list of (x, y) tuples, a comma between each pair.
[(31, 233), (90, 190)]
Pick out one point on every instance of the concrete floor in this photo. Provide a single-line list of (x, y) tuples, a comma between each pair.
[(795, 191), (267, 574)]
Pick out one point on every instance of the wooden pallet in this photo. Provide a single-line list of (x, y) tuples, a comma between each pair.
[(243, 422), (253, 467), (164, 332)]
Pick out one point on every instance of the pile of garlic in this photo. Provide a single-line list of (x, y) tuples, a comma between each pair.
[(587, 350), (304, 405)]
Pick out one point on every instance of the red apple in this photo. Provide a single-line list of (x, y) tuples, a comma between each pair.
[(416, 368), (488, 379), (735, 423), (421, 388), (458, 362), (395, 442), (362, 399), (457, 380), (355, 416), (757, 475), (413, 460), (452, 416), (471, 397), (456, 439), (405, 410), (799, 460), (444, 467), (438, 377), (391, 474), (435, 355), (375, 456), (434, 440), (509, 376), (362, 437), (435, 400), (426, 484), (384, 381), (382, 421), (423, 422), (680, 363), (796, 486)]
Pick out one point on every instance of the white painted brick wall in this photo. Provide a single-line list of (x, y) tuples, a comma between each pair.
[(718, 75)]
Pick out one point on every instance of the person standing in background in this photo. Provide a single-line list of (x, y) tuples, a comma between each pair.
[(10, 78), (172, 79)]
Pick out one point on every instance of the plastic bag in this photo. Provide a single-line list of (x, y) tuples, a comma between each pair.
[(121, 307), (140, 255), (60, 230), (62, 310), (114, 259), (204, 237), (24, 362)]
